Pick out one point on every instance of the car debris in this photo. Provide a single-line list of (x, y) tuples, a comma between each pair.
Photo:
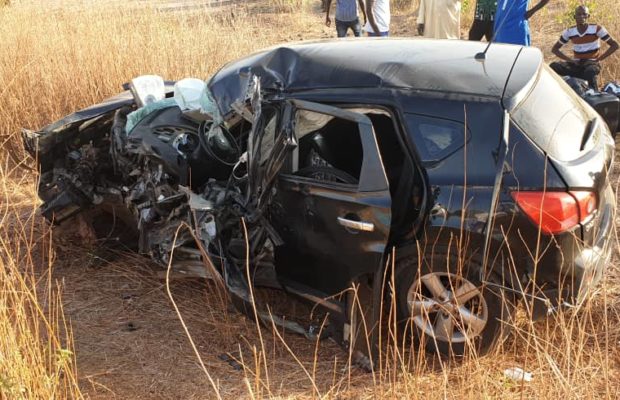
[(517, 374)]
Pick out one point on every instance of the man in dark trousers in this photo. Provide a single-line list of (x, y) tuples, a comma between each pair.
[(586, 40), (483, 20), (347, 16)]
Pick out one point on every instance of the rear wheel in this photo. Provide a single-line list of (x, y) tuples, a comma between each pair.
[(446, 306)]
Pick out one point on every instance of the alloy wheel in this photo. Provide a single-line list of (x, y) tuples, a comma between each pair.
[(447, 307)]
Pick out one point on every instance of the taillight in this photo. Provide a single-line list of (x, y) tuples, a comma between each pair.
[(556, 212)]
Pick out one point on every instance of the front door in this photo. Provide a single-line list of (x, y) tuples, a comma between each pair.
[(332, 201)]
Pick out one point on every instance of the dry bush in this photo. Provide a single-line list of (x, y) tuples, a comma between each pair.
[(61, 59)]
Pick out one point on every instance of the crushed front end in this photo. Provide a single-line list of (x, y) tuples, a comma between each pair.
[(179, 175)]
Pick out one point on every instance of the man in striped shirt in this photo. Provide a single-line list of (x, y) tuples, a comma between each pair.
[(346, 16), (586, 49)]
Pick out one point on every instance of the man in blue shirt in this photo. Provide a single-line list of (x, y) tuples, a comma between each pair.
[(511, 21), (346, 16)]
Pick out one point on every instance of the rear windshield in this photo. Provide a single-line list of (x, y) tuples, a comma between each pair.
[(554, 117)]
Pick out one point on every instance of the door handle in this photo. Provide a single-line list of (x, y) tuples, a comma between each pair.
[(357, 225)]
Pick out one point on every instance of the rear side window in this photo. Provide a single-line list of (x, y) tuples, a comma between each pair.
[(435, 138), (554, 117)]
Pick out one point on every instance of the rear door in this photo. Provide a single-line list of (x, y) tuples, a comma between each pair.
[(332, 202)]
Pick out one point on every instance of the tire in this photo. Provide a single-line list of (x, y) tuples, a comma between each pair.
[(450, 327)]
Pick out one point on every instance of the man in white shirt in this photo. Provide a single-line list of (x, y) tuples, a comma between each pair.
[(440, 19), (378, 14)]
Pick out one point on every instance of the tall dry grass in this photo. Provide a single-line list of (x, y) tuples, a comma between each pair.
[(55, 60), (36, 348)]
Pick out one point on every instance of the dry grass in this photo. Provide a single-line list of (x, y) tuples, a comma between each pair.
[(112, 312), (36, 358)]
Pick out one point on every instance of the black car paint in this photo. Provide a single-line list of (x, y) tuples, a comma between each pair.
[(481, 110), (395, 63), (461, 185)]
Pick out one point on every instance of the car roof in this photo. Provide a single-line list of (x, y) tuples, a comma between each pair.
[(418, 64)]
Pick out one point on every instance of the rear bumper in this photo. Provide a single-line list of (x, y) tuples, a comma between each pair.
[(591, 262), (588, 265)]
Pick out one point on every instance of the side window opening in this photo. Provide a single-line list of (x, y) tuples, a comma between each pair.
[(240, 129), (330, 148), (405, 184), (392, 153)]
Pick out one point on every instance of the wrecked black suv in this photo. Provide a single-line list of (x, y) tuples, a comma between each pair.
[(409, 170)]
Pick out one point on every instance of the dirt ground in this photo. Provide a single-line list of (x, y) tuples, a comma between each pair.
[(130, 343)]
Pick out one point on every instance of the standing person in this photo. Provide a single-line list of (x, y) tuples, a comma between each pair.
[(483, 20), (586, 39), (511, 21), (346, 16), (440, 19), (378, 17)]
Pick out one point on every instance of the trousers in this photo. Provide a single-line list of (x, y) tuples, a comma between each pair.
[(582, 69)]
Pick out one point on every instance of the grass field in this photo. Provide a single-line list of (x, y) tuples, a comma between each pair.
[(79, 321)]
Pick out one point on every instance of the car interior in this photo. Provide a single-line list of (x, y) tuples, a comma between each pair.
[(330, 152)]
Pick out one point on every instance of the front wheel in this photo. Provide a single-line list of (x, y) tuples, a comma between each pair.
[(446, 306)]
